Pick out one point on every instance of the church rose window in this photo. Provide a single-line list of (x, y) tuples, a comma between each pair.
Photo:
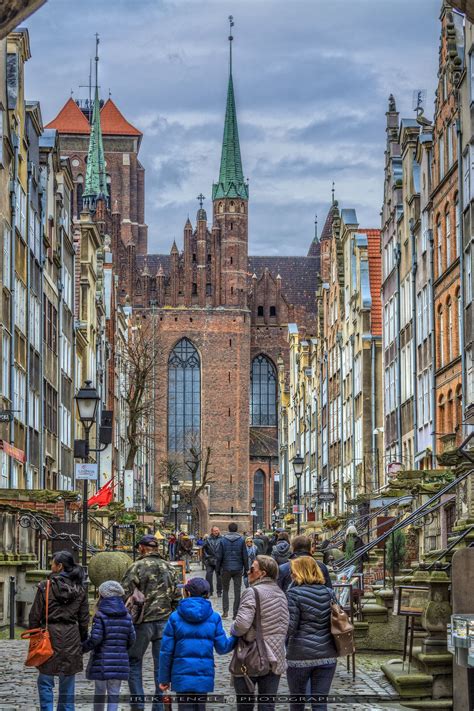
[(184, 397), (263, 393)]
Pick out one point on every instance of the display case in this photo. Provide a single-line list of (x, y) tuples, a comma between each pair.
[(410, 600), (461, 639)]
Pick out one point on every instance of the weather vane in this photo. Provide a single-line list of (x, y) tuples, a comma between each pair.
[(231, 24)]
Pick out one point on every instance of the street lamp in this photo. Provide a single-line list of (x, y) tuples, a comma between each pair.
[(298, 464), (87, 401), (253, 506), (175, 501), (189, 519)]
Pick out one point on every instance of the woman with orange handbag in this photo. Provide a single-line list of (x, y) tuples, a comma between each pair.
[(68, 619)]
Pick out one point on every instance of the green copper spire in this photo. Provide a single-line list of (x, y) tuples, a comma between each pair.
[(96, 181), (231, 182)]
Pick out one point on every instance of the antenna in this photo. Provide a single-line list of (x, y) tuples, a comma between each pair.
[(97, 63), (231, 24)]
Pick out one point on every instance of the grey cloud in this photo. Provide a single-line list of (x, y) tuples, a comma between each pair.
[(311, 78)]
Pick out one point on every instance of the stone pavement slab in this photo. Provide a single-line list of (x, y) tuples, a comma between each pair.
[(18, 683)]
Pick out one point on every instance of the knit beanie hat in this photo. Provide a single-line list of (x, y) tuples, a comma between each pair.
[(111, 588), (282, 547)]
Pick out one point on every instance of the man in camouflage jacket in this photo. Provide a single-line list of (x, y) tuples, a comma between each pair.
[(158, 581)]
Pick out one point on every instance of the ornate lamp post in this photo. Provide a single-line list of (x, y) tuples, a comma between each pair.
[(175, 501), (253, 506), (298, 464), (87, 402), (189, 519)]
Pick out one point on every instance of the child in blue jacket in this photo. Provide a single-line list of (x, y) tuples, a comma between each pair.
[(191, 634), (111, 636)]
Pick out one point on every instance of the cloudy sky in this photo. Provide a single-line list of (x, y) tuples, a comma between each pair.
[(312, 79)]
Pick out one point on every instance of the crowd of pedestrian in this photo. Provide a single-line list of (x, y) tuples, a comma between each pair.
[(281, 623)]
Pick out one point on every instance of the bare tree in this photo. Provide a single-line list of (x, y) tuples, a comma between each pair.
[(170, 469), (140, 357)]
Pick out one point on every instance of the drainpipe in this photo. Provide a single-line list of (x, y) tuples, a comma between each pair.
[(341, 424), (414, 340), (60, 287), (373, 414), (433, 352), (41, 216), (353, 487), (13, 199), (399, 364), (28, 336), (316, 459), (460, 248)]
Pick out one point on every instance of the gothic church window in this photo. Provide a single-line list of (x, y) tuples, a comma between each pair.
[(221, 208), (263, 393), (259, 496), (184, 397), (260, 311), (79, 191)]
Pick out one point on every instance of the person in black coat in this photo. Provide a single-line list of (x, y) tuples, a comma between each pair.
[(209, 555), (232, 561), (68, 620), (111, 636), (301, 546), (311, 653)]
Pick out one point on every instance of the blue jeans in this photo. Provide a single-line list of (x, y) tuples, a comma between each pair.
[(320, 679), (107, 690), (146, 632), (66, 692)]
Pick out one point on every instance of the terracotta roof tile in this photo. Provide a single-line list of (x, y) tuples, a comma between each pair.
[(70, 120), (114, 123), (375, 278)]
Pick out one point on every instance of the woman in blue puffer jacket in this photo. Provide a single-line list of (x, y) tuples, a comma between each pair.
[(111, 636), (191, 634)]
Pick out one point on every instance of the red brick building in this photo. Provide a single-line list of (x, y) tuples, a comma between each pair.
[(221, 319)]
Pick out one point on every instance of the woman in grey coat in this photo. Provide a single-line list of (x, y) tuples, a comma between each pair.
[(263, 575)]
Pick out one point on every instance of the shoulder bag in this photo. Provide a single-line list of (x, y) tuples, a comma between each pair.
[(250, 658), (40, 649), (342, 630), (135, 605)]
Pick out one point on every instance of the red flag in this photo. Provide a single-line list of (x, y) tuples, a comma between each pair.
[(104, 496)]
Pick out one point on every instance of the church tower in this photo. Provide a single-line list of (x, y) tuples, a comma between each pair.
[(230, 207)]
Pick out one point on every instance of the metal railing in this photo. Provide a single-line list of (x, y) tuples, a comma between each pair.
[(423, 510)]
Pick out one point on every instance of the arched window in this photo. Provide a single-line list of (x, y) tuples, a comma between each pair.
[(439, 245), (441, 415), (260, 311), (79, 191), (457, 236), (450, 413), (459, 320), (259, 496), (184, 396), (448, 236), (109, 188), (441, 335), (263, 393), (458, 406), (450, 326)]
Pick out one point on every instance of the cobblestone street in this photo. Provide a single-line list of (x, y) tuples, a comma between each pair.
[(18, 683)]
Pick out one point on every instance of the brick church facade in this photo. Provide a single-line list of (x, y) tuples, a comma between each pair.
[(221, 318)]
